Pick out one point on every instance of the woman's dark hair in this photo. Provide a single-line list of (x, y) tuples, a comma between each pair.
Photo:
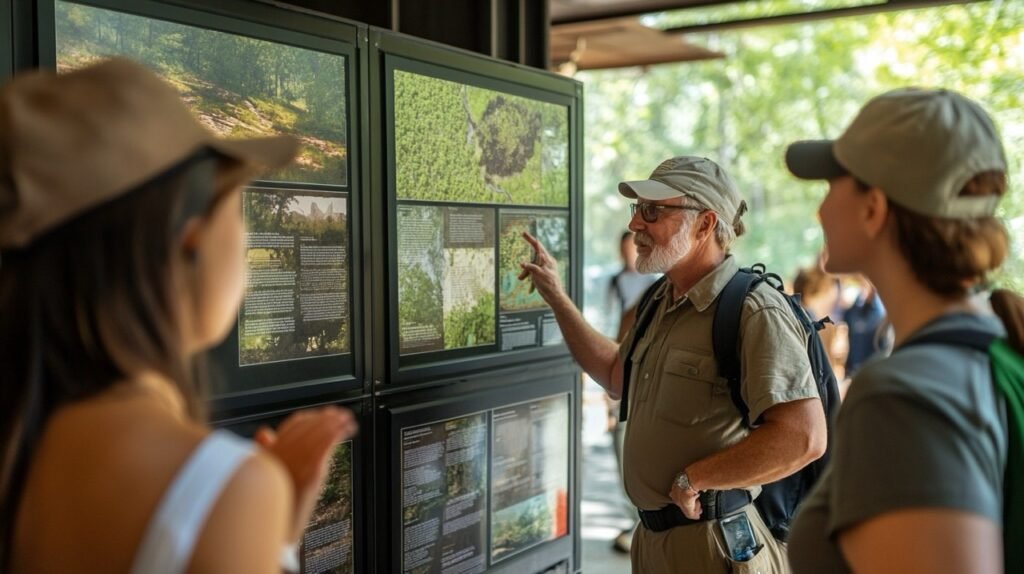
[(88, 305), (952, 256)]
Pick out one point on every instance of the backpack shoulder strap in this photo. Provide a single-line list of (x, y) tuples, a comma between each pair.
[(644, 314), (725, 328), (971, 338)]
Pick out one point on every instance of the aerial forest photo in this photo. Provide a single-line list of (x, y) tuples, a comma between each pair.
[(552, 231), (296, 301), (462, 143), (238, 86), (327, 543)]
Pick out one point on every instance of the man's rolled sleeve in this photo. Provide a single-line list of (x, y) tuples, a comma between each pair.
[(776, 369)]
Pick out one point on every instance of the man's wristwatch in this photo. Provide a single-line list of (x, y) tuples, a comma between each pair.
[(683, 481)]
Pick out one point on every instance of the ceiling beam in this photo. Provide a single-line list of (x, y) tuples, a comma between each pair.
[(888, 6)]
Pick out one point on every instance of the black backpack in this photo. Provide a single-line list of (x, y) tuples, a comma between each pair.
[(778, 500)]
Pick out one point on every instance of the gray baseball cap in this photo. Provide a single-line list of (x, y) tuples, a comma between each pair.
[(918, 146), (696, 177)]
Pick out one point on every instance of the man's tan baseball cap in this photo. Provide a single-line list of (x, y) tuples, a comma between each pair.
[(918, 146), (695, 177), (71, 142)]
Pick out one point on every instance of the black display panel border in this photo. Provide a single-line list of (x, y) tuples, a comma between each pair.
[(362, 454), (6, 39), (301, 380), (392, 52), (407, 412)]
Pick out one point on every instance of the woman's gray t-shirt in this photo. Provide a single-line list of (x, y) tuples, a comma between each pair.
[(923, 428)]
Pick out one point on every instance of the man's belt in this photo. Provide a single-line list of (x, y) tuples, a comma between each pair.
[(714, 504)]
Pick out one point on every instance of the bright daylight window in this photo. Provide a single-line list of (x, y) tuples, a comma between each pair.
[(780, 84)]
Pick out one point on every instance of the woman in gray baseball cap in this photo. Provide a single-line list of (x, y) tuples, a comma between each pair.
[(122, 260), (916, 478)]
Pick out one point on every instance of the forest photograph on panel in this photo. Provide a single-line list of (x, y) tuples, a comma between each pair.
[(238, 86), (553, 232), (445, 281), (296, 297), (327, 543), (455, 142)]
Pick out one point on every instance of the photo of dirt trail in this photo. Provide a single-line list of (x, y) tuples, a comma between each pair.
[(237, 86), (457, 142)]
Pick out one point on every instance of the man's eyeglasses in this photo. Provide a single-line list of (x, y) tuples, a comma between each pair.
[(650, 212)]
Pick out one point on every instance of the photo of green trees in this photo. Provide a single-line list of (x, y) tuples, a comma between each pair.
[(420, 273), (446, 267), (296, 301), (457, 142), (238, 86), (552, 230), (327, 542)]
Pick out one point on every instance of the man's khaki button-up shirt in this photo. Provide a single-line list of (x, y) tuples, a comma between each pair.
[(680, 410)]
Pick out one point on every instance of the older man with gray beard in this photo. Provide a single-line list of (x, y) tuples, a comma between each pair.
[(691, 466)]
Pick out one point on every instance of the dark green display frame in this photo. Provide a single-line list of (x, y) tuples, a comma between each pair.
[(385, 392), (389, 52), (412, 409), (287, 382), (6, 39)]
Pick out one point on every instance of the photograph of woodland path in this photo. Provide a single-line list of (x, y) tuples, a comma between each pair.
[(327, 543), (238, 86), (455, 142)]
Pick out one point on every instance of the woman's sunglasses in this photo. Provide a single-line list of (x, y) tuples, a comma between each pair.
[(650, 212)]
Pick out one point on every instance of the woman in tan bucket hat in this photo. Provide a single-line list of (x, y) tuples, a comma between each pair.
[(918, 481), (122, 250)]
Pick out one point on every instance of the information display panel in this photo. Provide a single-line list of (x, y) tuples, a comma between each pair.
[(483, 482), (291, 74), (329, 543), (444, 496), (530, 475), (296, 298), (474, 162)]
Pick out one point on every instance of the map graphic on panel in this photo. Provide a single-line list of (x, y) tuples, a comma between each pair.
[(296, 299), (444, 496), (327, 543), (446, 277), (530, 473), (238, 86), (461, 143)]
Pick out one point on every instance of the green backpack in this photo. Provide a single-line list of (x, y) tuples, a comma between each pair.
[(1008, 376)]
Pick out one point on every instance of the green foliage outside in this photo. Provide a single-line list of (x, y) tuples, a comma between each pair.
[(780, 84), (238, 86), (272, 213), (455, 142)]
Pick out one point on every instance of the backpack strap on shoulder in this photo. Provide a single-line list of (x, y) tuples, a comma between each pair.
[(978, 340), (725, 328), (644, 314)]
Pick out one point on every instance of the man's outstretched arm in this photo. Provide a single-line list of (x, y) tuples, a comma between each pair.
[(597, 354)]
